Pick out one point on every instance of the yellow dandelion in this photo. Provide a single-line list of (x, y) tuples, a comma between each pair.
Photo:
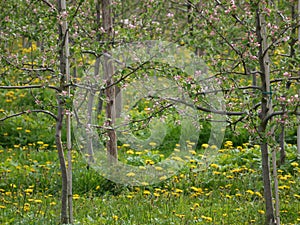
[(76, 196), (146, 192), (29, 190), (130, 152), (205, 146), (115, 217), (250, 192), (163, 178), (130, 174), (152, 144), (214, 165), (156, 194)]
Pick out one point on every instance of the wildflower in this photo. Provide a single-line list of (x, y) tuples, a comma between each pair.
[(250, 192), (228, 196), (146, 192), (258, 194), (29, 190), (297, 196), (152, 144), (181, 216), (27, 131), (193, 152), (115, 217), (129, 196), (130, 152), (76, 196), (196, 205), (162, 178), (156, 194), (239, 148), (98, 187), (158, 168), (38, 201), (26, 207), (282, 187), (214, 165), (195, 189), (130, 174), (177, 190), (213, 147), (205, 146), (261, 211), (40, 143), (207, 218), (294, 164), (2, 207), (52, 203), (149, 162), (125, 145), (19, 128)]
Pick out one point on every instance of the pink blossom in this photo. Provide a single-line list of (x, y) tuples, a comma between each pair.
[(286, 74), (170, 15), (177, 77)]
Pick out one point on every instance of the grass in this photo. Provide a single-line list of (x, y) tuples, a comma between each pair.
[(229, 191)]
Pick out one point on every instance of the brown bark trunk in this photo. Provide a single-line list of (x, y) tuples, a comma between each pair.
[(110, 90), (66, 199), (266, 109), (63, 167)]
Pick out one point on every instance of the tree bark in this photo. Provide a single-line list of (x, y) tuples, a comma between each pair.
[(110, 90), (298, 128), (66, 200), (266, 109)]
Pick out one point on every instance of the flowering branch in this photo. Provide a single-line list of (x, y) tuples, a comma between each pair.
[(29, 111)]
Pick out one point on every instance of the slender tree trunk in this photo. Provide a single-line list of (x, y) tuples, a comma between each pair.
[(276, 187), (298, 128), (110, 90), (266, 110), (68, 114), (64, 70)]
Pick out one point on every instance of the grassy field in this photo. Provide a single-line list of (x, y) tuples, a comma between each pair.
[(228, 191)]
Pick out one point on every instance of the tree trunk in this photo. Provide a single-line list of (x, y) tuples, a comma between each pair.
[(298, 128), (110, 90), (266, 110), (63, 167), (68, 114), (66, 215)]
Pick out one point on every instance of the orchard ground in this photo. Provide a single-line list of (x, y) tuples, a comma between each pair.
[(228, 191)]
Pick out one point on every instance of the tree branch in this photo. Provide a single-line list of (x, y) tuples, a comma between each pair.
[(27, 112), (30, 87)]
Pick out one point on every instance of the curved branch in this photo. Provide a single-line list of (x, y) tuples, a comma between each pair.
[(27, 112), (220, 112), (30, 87), (267, 118)]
